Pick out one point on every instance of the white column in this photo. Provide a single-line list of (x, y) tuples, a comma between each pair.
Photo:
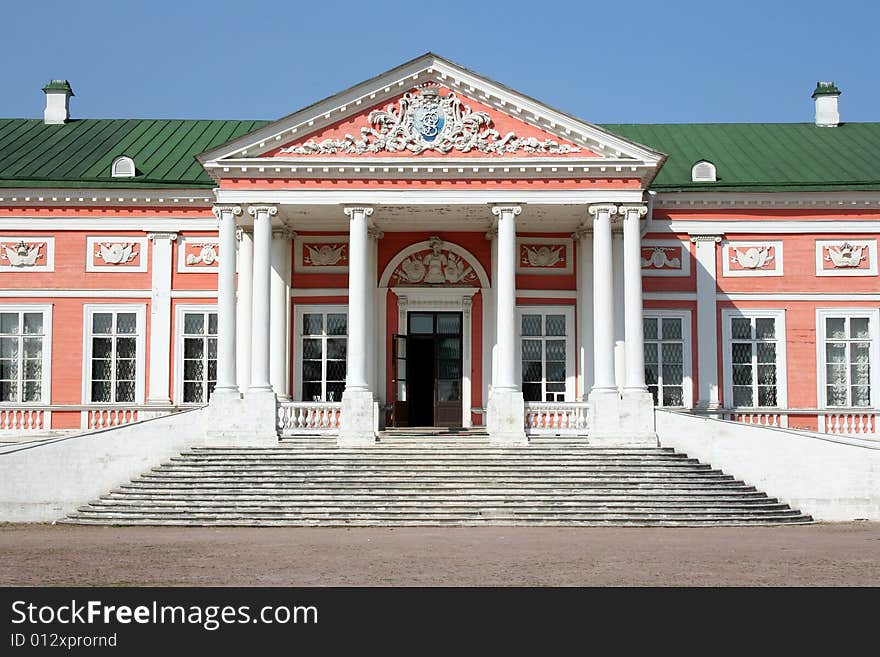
[(632, 266), (260, 336), (707, 323), (160, 319), (585, 309), (360, 411), (488, 299), (603, 302), (226, 337), (617, 295), (505, 412), (245, 307), (279, 314), (373, 307)]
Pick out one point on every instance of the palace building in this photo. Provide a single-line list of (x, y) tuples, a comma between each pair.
[(431, 248)]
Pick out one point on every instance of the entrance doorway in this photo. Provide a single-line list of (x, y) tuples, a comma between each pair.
[(428, 371)]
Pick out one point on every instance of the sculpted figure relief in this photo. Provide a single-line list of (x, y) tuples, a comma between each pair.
[(207, 255), (846, 255), (23, 254), (659, 259), (324, 255), (543, 256), (435, 267), (117, 253), (754, 257)]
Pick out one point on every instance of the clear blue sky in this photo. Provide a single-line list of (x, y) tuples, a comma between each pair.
[(607, 62)]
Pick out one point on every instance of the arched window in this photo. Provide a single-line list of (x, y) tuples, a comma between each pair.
[(703, 171), (122, 167)]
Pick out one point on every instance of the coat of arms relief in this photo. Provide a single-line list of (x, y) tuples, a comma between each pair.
[(23, 254), (426, 120), (434, 266)]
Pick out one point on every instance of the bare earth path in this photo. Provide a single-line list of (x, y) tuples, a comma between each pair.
[(830, 555)]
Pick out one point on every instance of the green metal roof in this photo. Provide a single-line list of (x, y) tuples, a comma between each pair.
[(79, 153), (769, 157), (748, 156)]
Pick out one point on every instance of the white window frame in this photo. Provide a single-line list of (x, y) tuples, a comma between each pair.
[(299, 311), (873, 315), (570, 330), (179, 312), (727, 357), (46, 374), (687, 381), (140, 311)]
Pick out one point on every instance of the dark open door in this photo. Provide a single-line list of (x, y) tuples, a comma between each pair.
[(399, 405)]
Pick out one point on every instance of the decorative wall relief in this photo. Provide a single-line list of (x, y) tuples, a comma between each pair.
[(116, 253), (436, 265), (752, 259), (665, 258), (27, 253), (544, 255), (321, 254), (198, 254), (846, 257), (424, 119)]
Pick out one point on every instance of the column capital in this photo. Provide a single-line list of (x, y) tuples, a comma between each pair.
[(254, 210), (219, 210), (634, 211), (500, 210), (705, 238), (162, 236), (602, 208), (351, 210)]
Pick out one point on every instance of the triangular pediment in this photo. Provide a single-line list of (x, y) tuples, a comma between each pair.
[(430, 109)]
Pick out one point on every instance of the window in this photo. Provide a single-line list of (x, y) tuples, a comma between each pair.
[(848, 345), (703, 171), (24, 354), (114, 354), (547, 353), (668, 357), (197, 362), (754, 358), (123, 167), (321, 365)]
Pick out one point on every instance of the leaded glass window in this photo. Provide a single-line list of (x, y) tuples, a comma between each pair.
[(323, 349), (113, 368), (847, 352), (543, 356), (754, 347), (199, 337), (664, 360), (22, 334)]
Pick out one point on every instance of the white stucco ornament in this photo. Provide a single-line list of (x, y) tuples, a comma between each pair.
[(659, 259), (207, 255), (544, 256), (325, 255), (845, 255), (23, 254), (117, 253), (435, 267), (754, 257), (424, 120)]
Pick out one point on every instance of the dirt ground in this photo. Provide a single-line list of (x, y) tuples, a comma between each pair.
[(822, 554)]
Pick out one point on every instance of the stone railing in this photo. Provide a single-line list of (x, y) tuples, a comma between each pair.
[(24, 419), (764, 418), (855, 422), (557, 418), (850, 422), (309, 417), (42, 418)]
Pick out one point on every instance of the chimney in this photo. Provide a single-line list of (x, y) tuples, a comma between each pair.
[(826, 95), (58, 93)]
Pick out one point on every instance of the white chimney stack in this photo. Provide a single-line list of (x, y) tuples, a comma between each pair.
[(826, 95), (58, 93)]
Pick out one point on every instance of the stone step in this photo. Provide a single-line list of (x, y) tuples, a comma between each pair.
[(429, 496), (434, 449), (213, 470)]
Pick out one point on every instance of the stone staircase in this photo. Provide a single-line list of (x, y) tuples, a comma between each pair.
[(435, 480)]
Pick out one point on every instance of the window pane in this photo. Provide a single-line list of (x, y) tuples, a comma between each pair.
[(8, 347), (673, 396), (531, 370), (649, 326), (193, 370), (742, 375), (126, 323), (766, 395), (767, 375), (101, 369), (193, 323), (449, 324), (672, 374), (192, 392), (336, 370), (861, 396), (448, 390), (125, 392), (334, 391), (555, 350), (126, 348), (102, 347), (9, 323), (193, 348), (449, 348), (532, 349), (421, 323), (555, 324), (835, 327), (531, 325), (651, 352), (835, 395), (33, 347), (212, 323), (313, 324), (742, 396), (859, 375), (311, 348), (125, 369), (33, 368), (651, 373), (742, 352), (100, 391), (8, 391), (861, 352), (835, 374), (31, 391), (9, 369), (672, 329), (311, 370), (212, 347), (858, 327), (765, 328), (835, 352), (212, 371), (532, 391), (33, 323), (102, 323), (311, 390), (555, 371), (766, 352), (337, 324), (741, 328), (672, 353), (335, 348)]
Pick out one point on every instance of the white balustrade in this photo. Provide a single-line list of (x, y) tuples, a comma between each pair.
[(557, 419), (106, 418), (309, 417), (849, 423), (24, 419), (761, 418)]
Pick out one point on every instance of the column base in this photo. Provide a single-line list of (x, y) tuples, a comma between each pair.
[(233, 421), (360, 419), (506, 417), (622, 421)]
